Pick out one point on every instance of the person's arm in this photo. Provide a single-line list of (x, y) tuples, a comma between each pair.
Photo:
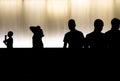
[(32, 28), (83, 41), (86, 42), (42, 34), (65, 41), (5, 41), (65, 45)]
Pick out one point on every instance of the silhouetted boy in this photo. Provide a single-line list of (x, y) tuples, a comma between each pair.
[(113, 35), (37, 37), (74, 38), (9, 42), (95, 39)]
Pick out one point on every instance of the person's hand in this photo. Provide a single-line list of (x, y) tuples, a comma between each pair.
[(5, 36), (4, 41)]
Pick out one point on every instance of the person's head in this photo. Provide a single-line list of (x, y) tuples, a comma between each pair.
[(38, 27), (35, 29), (10, 34), (98, 24), (71, 24), (115, 23)]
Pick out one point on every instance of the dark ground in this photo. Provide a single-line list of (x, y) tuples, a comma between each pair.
[(58, 64)]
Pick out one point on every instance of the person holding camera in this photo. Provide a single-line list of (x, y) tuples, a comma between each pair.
[(9, 40)]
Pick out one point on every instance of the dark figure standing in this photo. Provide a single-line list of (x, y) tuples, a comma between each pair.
[(113, 35), (74, 38), (95, 39), (37, 37), (9, 41)]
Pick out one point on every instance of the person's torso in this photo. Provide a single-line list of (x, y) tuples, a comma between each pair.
[(113, 39), (96, 40), (75, 39), (10, 43)]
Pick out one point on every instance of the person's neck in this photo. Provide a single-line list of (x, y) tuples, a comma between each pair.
[(10, 37), (73, 29), (114, 29)]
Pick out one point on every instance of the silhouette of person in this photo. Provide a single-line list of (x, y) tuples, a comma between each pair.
[(96, 39), (73, 38), (113, 35), (37, 37), (9, 41)]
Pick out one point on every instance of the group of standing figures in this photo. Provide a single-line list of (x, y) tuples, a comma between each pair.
[(95, 39), (76, 39)]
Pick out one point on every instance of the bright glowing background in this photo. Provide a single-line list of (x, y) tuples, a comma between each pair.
[(52, 16)]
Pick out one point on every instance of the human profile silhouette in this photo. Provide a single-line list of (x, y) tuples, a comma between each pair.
[(95, 39), (37, 36), (73, 38), (113, 35), (8, 41)]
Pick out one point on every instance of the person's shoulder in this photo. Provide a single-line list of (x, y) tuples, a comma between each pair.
[(80, 32), (90, 34), (108, 32), (67, 33), (102, 34), (118, 31)]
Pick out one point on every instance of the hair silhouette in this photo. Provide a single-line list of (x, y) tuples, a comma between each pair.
[(96, 38), (73, 38), (37, 37), (9, 41), (113, 35)]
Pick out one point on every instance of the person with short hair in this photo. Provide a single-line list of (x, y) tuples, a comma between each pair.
[(73, 38), (113, 36), (96, 39)]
